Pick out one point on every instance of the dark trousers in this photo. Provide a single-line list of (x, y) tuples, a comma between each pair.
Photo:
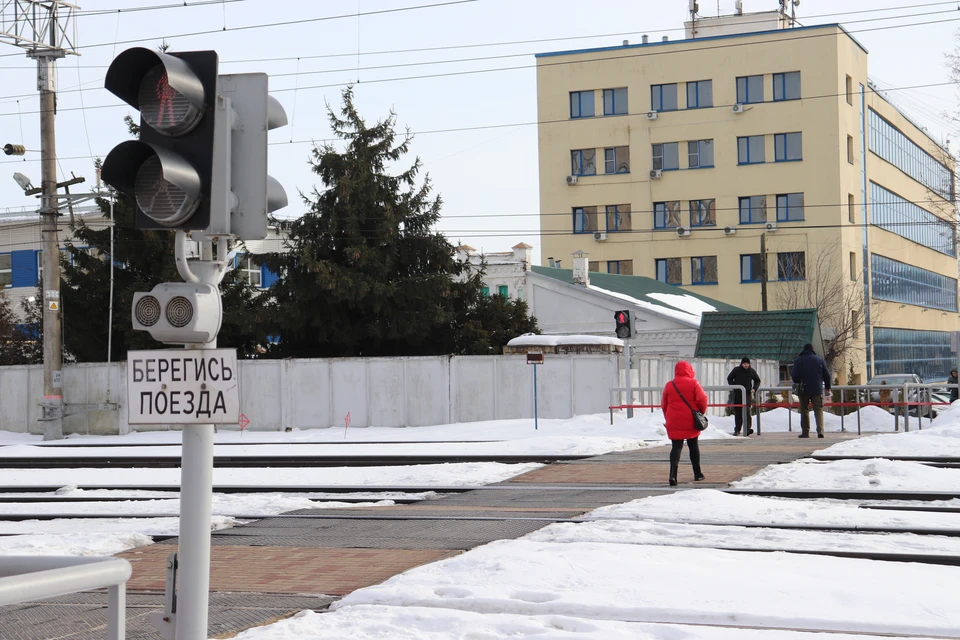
[(805, 402), (738, 418), (675, 451)]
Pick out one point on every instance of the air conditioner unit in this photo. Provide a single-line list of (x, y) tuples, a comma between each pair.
[(571, 179), (656, 174), (683, 232), (771, 226), (738, 108), (729, 231), (651, 115), (600, 236)]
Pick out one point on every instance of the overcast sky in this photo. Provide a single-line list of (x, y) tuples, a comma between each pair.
[(486, 176)]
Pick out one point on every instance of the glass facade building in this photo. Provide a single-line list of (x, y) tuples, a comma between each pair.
[(926, 353), (895, 281), (902, 217), (892, 145)]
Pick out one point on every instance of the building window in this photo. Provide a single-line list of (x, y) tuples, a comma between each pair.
[(485, 292), (616, 160), (700, 154), (6, 270), (618, 217), (615, 102), (663, 97), (622, 267), (849, 90), (666, 156), (895, 214), (892, 145), (666, 215), (753, 209), (788, 147), (703, 270), (791, 265), (900, 282), (700, 94), (669, 271), (790, 207), (584, 219), (749, 89), (750, 150), (750, 267), (850, 149), (703, 213), (853, 266), (583, 162), (593, 265), (248, 269), (786, 86), (926, 353), (581, 104), (851, 209), (855, 323), (503, 290)]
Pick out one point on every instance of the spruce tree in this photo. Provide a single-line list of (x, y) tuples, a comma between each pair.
[(366, 273)]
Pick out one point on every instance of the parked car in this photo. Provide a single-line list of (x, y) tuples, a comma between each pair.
[(896, 381), (940, 397)]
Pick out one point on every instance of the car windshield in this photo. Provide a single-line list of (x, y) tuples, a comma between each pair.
[(893, 379)]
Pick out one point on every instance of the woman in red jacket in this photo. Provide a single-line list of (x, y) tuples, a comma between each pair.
[(679, 417)]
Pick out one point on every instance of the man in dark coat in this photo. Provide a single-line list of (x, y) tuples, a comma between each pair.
[(954, 391), (746, 377), (811, 373)]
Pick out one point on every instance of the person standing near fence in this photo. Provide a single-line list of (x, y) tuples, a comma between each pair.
[(812, 377), (954, 391), (748, 378), (679, 417)]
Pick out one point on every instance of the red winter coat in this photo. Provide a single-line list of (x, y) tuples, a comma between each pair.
[(678, 417)]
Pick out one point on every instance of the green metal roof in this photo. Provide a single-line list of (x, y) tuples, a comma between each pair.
[(638, 287), (768, 335)]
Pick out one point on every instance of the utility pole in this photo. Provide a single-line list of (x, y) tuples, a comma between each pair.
[(40, 27), (763, 271)]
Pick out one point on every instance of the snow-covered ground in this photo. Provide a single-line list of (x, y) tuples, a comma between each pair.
[(670, 567)]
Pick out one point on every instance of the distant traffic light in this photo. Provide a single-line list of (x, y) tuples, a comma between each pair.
[(169, 170), (624, 328)]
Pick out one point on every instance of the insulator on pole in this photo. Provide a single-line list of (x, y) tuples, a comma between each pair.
[(14, 149)]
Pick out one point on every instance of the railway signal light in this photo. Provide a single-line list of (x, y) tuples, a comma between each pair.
[(624, 328), (179, 312), (169, 170)]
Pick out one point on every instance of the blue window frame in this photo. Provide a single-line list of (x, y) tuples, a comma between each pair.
[(615, 102), (895, 147), (700, 154), (584, 219), (751, 150), (669, 270), (582, 104), (786, 86), (900, 282), (621, 267), (788, 147), (926, 353), (895, 214), (618, 217), (583, 162), (791, 265), (666, 156), (750, 267), (616, 160), (753, 209), (663, 97), (790, 207), (666, 215), (749, 89), (703, 213), (703, 270), (700, 94)]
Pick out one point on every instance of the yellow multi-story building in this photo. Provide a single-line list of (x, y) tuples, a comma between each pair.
[(762, 167)]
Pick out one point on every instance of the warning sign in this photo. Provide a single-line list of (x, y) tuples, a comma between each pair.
[(53, 306), (195, 386)]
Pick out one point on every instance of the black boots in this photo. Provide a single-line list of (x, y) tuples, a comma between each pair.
[(673, 481), (698, 476), (673, 473)]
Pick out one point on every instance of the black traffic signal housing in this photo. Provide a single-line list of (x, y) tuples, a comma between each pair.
[(624, 328), (169, 170)]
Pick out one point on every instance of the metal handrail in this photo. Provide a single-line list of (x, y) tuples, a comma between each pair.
[(26, 578), (629, 404)]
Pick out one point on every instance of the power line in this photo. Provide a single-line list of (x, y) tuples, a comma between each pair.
[(181, 5)]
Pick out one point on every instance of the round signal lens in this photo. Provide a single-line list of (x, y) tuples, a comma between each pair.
[(163, 201), (147, 311), (179, 312), (164, 108)]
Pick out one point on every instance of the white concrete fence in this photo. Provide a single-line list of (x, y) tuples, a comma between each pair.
[(390, 392)]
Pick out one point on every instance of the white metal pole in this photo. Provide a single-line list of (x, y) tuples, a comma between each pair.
[(116, 612), (628, 383)]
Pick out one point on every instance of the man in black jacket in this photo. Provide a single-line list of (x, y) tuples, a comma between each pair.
[(745, 376), (810, 371)]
